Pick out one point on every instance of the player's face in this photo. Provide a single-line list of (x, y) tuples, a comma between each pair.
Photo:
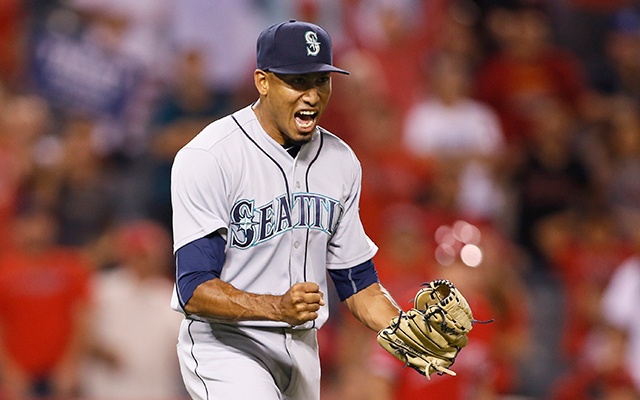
[(291, 105)]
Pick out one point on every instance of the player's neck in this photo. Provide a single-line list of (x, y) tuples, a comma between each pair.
[(292, 149)]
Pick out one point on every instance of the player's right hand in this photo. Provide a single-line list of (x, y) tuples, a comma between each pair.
[(301, 303)]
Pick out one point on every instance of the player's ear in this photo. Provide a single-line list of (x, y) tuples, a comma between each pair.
[(261, 81)]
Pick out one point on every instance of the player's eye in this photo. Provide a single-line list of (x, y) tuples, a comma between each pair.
[(298, 81)]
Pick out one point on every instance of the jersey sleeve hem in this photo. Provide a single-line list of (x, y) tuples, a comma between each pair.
[(177, 245)]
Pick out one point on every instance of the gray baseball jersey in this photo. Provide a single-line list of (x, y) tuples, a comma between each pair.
[(285, 219)]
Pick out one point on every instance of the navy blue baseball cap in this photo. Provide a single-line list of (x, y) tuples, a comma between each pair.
[(295, 47)]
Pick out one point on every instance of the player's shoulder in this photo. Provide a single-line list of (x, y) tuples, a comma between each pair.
[(202, 151), (333, 143), (217, 138), (214, 134)]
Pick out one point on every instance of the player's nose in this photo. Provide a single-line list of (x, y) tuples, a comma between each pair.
[(311, 96)]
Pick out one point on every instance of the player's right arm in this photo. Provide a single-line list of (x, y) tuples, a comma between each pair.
[(221, 300), (201, 291)]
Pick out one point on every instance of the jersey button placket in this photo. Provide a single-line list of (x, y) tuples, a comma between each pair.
[(298, 238)]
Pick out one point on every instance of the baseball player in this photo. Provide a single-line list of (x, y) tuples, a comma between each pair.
[(265, 203)]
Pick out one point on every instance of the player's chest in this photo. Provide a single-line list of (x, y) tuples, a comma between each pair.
[(273, 200)]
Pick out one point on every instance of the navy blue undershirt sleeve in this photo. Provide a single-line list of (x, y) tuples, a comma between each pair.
[(197, 262), (352, 280)]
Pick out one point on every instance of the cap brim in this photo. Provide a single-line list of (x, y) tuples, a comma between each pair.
[(306, 68)]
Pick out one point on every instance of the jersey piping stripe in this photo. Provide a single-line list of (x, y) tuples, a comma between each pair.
[(354, 286), (284, 175), (306, 182), (195, 370)]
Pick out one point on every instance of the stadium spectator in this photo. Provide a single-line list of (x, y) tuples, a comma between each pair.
[(80, 191), (526, 68), (133, 332), (459, 133), (551, 177), (44, 300), (619, 301)]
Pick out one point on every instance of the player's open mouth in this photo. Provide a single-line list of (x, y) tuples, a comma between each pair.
[(306, 120)]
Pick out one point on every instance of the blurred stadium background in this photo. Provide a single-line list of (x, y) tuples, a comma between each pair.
[(500, 144)]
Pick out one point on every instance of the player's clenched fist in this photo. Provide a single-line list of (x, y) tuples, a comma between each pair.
[(301, 303)]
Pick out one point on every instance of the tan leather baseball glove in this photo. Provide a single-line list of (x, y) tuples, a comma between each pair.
[(429, 336)]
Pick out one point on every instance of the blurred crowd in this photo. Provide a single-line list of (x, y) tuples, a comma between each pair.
[(500, 145)]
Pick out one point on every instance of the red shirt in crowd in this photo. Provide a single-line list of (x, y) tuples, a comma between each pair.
[(39, 298)]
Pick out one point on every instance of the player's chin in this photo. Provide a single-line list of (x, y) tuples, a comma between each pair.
[(303, 136), (301, 139)]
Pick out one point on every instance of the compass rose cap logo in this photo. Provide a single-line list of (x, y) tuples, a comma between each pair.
[(295, 47)]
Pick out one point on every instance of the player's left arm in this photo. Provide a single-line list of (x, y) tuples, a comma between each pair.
[(360, 290), (373, 306)]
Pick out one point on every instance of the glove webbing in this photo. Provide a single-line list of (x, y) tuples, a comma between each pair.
[(410, 343)]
